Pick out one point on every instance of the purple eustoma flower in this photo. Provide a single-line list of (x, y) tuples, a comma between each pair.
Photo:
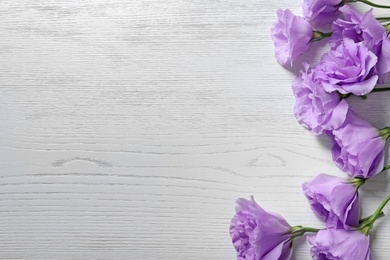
[(340, 244), (321, 12), (358, 147), (334, 200), (363, 28), (348, 69), (259, 235), (291, 35), (316, 109)]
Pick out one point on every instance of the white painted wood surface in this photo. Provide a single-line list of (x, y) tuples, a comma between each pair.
[(128, 128)]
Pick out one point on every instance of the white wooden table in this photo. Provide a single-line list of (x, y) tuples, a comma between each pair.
[(128, 128)]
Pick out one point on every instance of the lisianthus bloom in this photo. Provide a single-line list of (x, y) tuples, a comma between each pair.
[(348, 69), (259, 235), (291, 35), (340, 244), (321, 12), (316, 109), (363, 28), (334, 200), (358, 147), (357, 27)]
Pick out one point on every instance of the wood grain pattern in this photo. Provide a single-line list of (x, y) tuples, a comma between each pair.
[(129, 128)]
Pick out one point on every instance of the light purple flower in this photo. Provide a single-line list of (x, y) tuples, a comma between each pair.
[(363, 28), (348, 69), (291, 35), (358, 147), (334, 200), (316, 109), (259, 235), (321, 12), (340, 244), (357, 27)]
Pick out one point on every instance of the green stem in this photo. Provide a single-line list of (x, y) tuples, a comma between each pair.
[(318, 35), (378, 211), (386, 168), (344, 96), (357, 182), (383, 18), (361, 221), (385, 133), (298, 231), (370, 3), (380, 89), (310, 230), (366, 226)]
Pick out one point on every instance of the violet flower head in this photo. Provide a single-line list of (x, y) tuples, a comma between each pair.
[(259, 235), (334, 200), (340, 244), (321, 12), (358, 147), (348, 69), (357, 27), (367, 29), (291, 35), (316, 109)]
